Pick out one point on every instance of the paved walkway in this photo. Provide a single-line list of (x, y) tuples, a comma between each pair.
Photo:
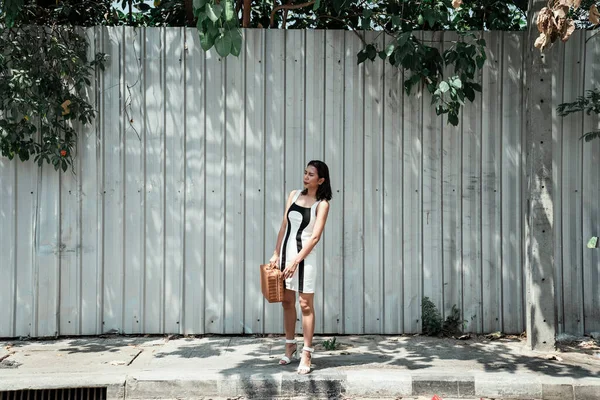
[(246, 367)]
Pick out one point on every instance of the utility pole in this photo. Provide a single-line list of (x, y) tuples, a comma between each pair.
[(539, 223)]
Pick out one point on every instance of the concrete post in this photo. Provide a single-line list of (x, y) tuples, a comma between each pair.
[(539, 261)]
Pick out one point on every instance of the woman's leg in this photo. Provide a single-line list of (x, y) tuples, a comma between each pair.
[(289, 319), (308, 323)]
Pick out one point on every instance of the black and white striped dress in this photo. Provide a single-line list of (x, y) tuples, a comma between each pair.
[(300, 225)]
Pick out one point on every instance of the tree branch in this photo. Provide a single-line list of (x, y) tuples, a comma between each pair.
[(344, 22), (189, 12), (287, 7), (247, 9)]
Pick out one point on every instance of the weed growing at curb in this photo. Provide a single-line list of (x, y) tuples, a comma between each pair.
[(432, 320), (330, 344)]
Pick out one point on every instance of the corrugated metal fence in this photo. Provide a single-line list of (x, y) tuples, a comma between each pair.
[(180, 187)]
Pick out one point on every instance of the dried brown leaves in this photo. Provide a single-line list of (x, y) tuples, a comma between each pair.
[(553, 22), (594, 15), (456, 3)]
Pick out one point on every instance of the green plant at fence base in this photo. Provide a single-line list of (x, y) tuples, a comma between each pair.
[(330, 344), (432, 323), (430, 317), (453, 323)]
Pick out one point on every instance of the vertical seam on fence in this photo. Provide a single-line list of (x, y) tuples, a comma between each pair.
[(323, 151), (144, 153), (223, 271), (582, 52), (523, 252), (343, 294), (204, 194), (500, 170), (15, 261), (58, 275), (101, 154), (382, 211), (441, 188), (480, 230), (402, 175), (420, 200), (263, 43), (362, 195), (123, 86), (182, 318), (163, 77), (244, 174), (460, 208)]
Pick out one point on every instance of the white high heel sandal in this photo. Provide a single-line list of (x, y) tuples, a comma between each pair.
[(285, 360), (305, 369)]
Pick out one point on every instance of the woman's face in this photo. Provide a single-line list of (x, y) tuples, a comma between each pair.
[(311, 178)]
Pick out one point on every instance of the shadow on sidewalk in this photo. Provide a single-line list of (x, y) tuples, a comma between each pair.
[(260, 356)]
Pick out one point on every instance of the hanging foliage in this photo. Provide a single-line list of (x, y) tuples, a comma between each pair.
[(44, 71)]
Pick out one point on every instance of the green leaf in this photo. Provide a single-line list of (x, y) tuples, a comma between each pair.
[(212, 29), (214, 11), (389, 49), (420, 20), (396, 20), (409, 83), (371, 52), (476, 87), (339, 5), (481, 42), (200, 23), (403, 38), (392, 59), (456, 82), (12, 9), (589, 136), (430, 16), (316, 5), (229, 10), (453, 119), (199, 3), (206, 41), (444, 87), (362, 56), (143, 7), (236, 41), (223, 45), (469, 92), (382, 54), (367, 13), (480, 61)]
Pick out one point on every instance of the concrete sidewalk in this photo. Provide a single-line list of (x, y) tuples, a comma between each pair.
[(246, 367)]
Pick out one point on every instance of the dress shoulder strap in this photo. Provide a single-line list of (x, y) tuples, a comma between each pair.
[(298, 193), (315, 206)]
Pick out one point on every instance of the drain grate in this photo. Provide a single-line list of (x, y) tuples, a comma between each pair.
[(98, 393)]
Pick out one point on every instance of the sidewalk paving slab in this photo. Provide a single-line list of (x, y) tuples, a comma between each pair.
[(247, 367)]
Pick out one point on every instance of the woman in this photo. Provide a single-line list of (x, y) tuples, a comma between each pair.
[(304, 219)]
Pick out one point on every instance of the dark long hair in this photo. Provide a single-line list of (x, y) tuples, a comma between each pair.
[(324, 190)]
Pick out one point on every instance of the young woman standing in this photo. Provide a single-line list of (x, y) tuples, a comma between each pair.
[(303, 222)]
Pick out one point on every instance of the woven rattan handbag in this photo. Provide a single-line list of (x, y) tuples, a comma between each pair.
[(271, 283)]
